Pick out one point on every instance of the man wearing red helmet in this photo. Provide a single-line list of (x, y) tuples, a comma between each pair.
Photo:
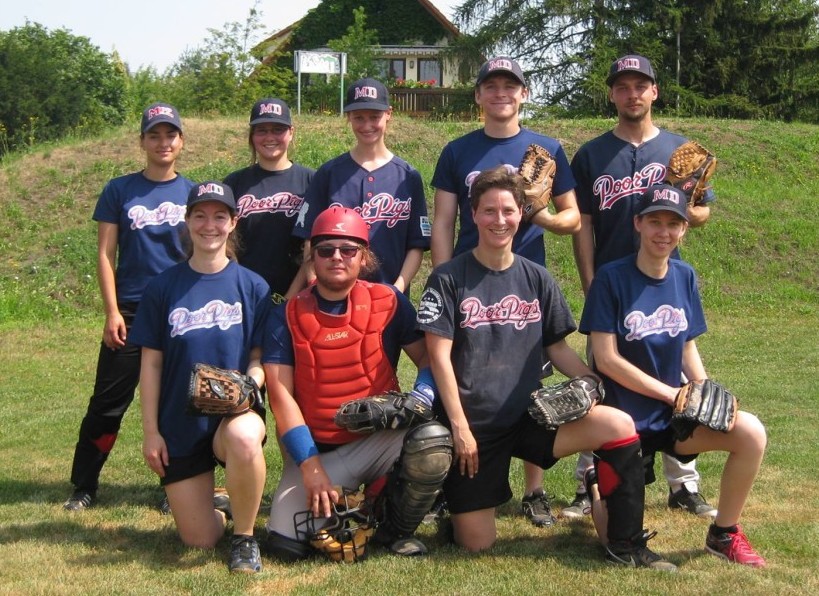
[(336, 341)]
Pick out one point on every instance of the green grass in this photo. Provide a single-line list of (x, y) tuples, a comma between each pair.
[(758, 270)]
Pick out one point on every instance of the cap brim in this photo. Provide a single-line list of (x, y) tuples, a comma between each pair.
[(155, 122), (366, 106), (265, 119), (654, 208), (612, 78)]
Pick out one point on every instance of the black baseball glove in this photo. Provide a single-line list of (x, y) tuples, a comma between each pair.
[(567, 401), (390, 410), (705, 403)]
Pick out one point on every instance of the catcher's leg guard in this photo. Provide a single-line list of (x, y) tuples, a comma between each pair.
[(621, 483), (415, 481)]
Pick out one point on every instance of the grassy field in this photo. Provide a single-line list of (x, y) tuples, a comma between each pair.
[(758, 266)]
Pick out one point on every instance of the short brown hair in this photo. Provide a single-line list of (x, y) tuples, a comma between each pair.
[(501, 178)]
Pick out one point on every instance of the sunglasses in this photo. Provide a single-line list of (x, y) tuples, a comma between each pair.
[(326, 251)]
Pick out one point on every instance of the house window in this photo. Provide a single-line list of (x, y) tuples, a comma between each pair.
[(429, 70), (398, 69)]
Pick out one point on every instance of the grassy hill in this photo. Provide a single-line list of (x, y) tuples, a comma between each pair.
[(758, 267)]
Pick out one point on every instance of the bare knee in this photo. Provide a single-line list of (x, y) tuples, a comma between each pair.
[(475, 531), (752, 431)]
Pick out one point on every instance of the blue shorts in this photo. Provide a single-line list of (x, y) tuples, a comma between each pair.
[(526, 440)]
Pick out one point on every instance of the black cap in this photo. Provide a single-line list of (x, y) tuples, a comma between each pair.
[(270, 110), (631, 63), (211, 190), (664, 197), (502, 65), (157, 113), (367, 94)]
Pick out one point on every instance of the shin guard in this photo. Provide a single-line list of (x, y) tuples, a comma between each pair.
[(621, 482)]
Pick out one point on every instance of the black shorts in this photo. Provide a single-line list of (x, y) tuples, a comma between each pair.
[(663, 442), (490, 486)]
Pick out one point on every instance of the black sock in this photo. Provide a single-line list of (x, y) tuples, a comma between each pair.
[(719, 531)]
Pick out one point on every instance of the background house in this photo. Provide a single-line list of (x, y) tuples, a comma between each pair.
[(412, 36)]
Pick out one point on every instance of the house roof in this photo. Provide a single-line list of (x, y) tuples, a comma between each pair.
[(271, 44)]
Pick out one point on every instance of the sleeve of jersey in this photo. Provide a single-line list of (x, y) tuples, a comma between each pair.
[(444, 177), (436, 307), (261, 313), (149, 321), (420, 231), (315, 200), (599, 312), (564, 178), (558, 321), (583, 188), (277, 343), (107, 208)]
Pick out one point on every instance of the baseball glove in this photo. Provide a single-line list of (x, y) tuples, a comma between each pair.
[(390, 410), (705, 403), (567, 401), (215, 391), (344, 536), (689, 169), (537, 168)]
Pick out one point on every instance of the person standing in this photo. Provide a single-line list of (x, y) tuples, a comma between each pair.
[(612, 172), (269, 198), (339, 340), (140, 220), (207, 309), (383, 188), (500, 91), (643, 315)]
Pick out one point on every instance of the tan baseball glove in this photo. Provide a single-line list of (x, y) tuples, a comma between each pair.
[(537, 168), (689, 168), (215, 391)]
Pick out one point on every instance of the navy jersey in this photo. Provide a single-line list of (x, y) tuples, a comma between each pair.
[(268, 204), (652, 320), (196, 317), (399, 332), (612, 174), (151, 218), (464, 158), (499, 322), (390, 199)]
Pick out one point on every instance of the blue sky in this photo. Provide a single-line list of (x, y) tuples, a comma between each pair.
[(155, 32)]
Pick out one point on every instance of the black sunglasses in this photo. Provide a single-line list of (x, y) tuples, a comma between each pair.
[(327, 251)]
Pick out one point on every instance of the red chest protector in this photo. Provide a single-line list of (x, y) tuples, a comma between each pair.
[(340, 357)]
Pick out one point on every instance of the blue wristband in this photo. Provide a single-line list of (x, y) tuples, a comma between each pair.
[(299, 444), (425, 386)]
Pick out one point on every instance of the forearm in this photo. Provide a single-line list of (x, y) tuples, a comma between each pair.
[(149, 390), (565, 219), (583, 248), (412, 263)]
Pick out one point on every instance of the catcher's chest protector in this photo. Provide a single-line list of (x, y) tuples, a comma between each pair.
[(340, 357)]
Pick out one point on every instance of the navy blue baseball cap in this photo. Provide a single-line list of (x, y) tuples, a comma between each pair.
[(631, 63), (367, 94), (159, 112), (664, 197), (270, 110), (211, 190), (500, 65)]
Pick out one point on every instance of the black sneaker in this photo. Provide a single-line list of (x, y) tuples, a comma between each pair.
[(635, 553), (164, 506), (244, 555), (80, 500), (580, 506), (693, 503), (537, 509)]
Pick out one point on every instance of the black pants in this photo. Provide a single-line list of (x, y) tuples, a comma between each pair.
[(114, 387)]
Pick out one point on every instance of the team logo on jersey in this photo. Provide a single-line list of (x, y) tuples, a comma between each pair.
[(430, 307), (215, 313), (509, 310), (383, 207), (281, 202), (369, 92), (610, 190), (166, 213), (470, 177), (666, 319)]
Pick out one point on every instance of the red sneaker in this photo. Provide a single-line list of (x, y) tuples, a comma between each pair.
[(733, 547)]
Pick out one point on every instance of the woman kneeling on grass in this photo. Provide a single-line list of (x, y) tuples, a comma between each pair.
[(207, 309), (643, 313)]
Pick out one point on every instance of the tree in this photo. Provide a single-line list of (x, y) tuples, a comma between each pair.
[(53, 83)]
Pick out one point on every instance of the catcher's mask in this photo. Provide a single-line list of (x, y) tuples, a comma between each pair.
[(344, 535)]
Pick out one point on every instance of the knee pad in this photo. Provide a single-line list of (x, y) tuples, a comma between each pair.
[(426, 455)]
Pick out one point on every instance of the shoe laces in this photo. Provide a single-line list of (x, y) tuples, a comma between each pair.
[(740, 548), (539, 502)]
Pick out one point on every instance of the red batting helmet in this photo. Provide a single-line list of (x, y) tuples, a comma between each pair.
[(341, 222)]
